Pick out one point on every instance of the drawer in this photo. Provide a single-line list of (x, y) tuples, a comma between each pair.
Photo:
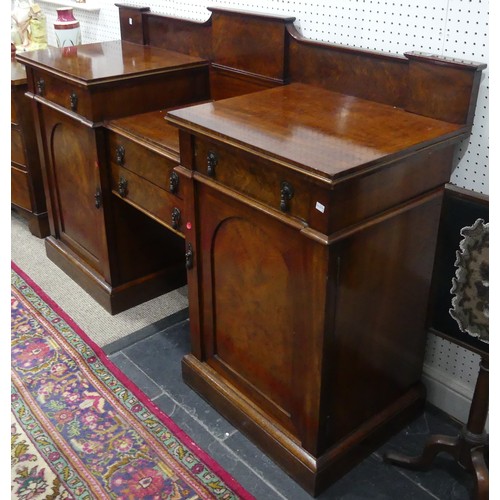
[(148, 197), (19, 189), (267, 182), (144, 162), (17, 154), (64, 93)]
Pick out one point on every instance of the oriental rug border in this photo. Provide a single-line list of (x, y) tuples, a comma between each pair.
[(152, 457)]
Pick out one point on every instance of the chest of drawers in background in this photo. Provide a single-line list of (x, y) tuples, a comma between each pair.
[(27, 195)]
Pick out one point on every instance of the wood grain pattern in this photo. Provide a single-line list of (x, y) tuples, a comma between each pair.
[(328, 134), (311, 186)]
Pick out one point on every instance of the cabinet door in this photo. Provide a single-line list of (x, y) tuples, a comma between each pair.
[(76, 194), (261, 307)]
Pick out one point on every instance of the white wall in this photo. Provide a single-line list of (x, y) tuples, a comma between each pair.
[(456, 28)]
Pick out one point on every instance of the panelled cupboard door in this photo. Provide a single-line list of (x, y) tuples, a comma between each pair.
[(75, 187), (256, 274), (321, 338)]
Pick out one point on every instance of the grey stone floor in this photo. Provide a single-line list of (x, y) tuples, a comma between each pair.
[(151, 359)]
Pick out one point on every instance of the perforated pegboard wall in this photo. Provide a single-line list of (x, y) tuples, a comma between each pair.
[(456, 28)]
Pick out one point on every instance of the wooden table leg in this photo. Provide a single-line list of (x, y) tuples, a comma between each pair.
[(468, 449)]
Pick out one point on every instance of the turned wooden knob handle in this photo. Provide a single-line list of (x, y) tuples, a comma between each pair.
[(173, 185), (286, 194), (40, 86), (123, 187), (176, 218), (73, 101), (189, 256), (212, 161), (120, 155), (98, 198)]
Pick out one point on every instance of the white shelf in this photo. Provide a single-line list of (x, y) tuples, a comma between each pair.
[(89, 7)]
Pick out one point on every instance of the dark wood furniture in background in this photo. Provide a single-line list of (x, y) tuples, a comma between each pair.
[(461, 208), (308, 189), (27, 195), (116, 254)]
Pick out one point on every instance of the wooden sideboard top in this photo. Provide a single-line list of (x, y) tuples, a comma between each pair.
[(101, 62), (150, 129), (328, 133)]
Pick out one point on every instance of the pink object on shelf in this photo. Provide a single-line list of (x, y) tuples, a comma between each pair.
[(67, 28)]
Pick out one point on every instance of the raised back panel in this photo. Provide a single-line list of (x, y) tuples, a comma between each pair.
[(180, 35), (443, 88), (361, 73), (131, 26), (253, 51), (252, 43)]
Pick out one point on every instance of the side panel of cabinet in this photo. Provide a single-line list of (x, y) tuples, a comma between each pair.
[(74, 182), (379, 333), (262, 308)]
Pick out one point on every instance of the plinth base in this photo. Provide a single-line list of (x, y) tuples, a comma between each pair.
[(314, 474)]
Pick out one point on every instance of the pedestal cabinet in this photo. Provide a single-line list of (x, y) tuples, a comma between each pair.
[(116, 253), (315, 220), (27, 195)]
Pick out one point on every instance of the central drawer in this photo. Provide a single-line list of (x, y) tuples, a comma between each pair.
[(143, 175), (143, 161), (158, 203)]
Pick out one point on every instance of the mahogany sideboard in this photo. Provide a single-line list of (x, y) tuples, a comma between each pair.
[(117, 254), (307, 182), (27, 194)]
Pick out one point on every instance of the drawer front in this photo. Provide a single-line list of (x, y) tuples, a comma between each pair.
[(145, 163), (64, 93), (274, 185), (19, 189), (156, 202), (17, 154)]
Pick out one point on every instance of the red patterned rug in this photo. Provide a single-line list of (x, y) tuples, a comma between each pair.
[(81, 429)]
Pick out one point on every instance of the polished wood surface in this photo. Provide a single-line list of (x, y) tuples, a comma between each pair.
[(349, 134), (107, 80), (104, 62), (416, 81), (252, 51), (150, 129), (17, 73), (182, 35), (27, 194), (247, 51), (238, 42)]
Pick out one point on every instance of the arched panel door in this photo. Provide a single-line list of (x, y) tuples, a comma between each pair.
[(255, 280), (75, 186)]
